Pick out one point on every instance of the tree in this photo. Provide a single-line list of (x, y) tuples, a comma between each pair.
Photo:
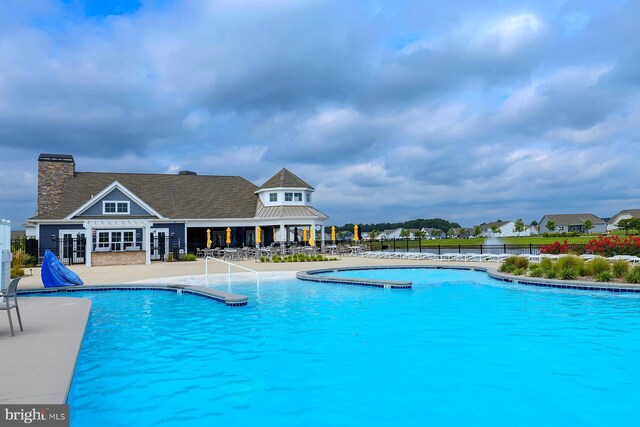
[(477, 231), (405, 233), (518, 227), (462, 231), (629, 224), (588, 225), (534, 223), (419, 234), (374, 234), (452, 233), (495, 229), (551, 226)]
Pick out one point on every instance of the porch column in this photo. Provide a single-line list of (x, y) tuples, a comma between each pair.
[(282, 233), (322, 236), (146, 230), (88, 246)]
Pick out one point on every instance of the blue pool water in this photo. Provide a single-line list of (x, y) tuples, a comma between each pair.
[(458, 349)]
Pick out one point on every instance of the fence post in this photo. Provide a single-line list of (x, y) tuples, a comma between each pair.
[(439, 250), (407, 245), (530, 249), (481, 246), (394, 244), (504, 248), (459, 249), (420, 245)]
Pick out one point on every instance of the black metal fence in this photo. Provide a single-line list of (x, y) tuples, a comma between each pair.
[(429, 246)]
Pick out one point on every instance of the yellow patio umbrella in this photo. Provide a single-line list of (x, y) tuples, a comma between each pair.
[(304, 234), (209, 242), (333, 233), (312, 238), (274, 234), (228, 235), (259, 235), (355, 233)]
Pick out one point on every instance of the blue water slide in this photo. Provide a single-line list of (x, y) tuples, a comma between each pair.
[(54, 274)]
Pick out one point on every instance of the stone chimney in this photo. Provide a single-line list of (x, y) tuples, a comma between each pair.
[(53, 170)]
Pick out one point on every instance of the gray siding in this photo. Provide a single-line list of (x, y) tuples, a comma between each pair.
[(46, 231), (115, 195)]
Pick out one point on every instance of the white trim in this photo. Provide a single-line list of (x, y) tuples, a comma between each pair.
[(107, 190), (104, 203), (262, 190)]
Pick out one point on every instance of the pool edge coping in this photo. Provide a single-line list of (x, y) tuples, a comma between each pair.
[(228, 298), (315, 276)]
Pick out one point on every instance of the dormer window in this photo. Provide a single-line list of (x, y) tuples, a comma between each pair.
[(308, 197), (288, 197), (115, 208), (273, 197), (297, 197)]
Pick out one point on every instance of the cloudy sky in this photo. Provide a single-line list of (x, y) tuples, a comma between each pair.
[(466, 110)]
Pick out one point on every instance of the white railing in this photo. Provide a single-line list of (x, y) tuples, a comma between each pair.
[(229, 265)]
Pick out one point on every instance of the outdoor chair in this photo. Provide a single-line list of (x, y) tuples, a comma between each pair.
[(7, 294)]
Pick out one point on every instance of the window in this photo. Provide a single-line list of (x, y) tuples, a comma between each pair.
[(116, 240), (117, 208), (273, 197), (297, 197), (288, 197), (308, 197)]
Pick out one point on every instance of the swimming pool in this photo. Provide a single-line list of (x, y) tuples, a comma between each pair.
[(459, 348)]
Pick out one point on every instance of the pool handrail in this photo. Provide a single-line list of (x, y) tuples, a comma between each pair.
[(229, 265)]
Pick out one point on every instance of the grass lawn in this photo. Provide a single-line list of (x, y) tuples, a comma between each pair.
[(506, 240)]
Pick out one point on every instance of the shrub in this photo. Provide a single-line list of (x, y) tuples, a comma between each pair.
[(546, 264), (551, 273), (16, 272), (584, 269), (572, 262), (614, 245), (555, 248), (21, 259), (507, 268), (605, 276), (633, 276), (599, 265), (170, 256), (262, 259), (518, 271), (568, 273), (189, 257), (536, 271), (620, 268)]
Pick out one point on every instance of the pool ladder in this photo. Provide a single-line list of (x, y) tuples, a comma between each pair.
[(229, 265)]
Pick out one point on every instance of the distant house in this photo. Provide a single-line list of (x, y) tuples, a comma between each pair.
[(612, 224), (433, 233), (504, 229), (573, 223)]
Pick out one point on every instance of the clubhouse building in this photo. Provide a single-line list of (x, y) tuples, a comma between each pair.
[(100, 218)]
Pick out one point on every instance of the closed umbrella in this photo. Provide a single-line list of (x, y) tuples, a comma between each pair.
[(356, 237), (295, 234), (333, 233), (228, 235), (304, 234), (274, 234), (259, 235), (209, 239), (312, 238)]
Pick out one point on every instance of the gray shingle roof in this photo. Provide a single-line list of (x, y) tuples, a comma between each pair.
[(285, 179), (264, 212), (173, 196), (573, 219)]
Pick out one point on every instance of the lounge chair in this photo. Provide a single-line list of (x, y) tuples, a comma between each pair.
[(11, 292)]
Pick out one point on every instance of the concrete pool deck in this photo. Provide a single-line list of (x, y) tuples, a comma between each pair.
[(38, 363)]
